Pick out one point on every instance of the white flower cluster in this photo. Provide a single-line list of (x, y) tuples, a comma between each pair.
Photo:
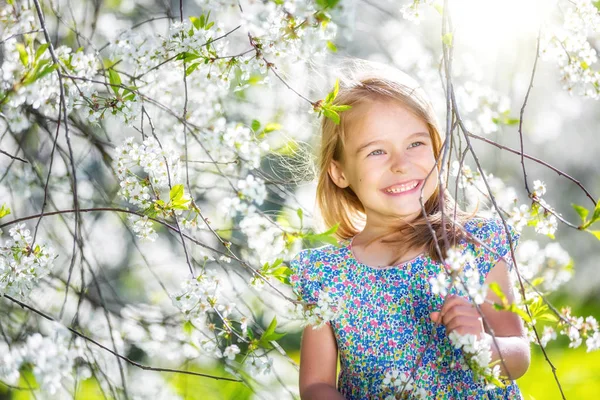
[(483, 109), (253, 189), (478, 355), (159, 165), (258, 365), (550, 266), (317, 315), (466, 280), (21, 60), (578, 329), (265, 238), (412, 10), (547, 335), (476, 191), (197, 296), (285, 29), (21, 267), (143, 227), (569, 46), (251, 192), (401, 383), (52, 358)]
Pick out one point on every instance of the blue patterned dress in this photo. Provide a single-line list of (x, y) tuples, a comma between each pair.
[(384, 323)]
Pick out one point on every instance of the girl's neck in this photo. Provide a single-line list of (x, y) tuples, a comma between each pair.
[(368, 248)]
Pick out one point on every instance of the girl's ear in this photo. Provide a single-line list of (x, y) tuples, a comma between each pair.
[(337, 175)]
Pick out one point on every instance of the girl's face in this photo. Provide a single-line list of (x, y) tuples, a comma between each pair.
[(387, 156)]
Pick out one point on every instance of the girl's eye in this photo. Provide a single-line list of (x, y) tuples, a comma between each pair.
[(375, 152), (420, 143)]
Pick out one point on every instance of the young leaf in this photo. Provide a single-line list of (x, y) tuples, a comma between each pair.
[(596, 215), (191, 69), (115, 80), (332, 115), (582, 211), (176, 192), (447, 39), (23, 56), (270, 329), (40, 51), (595, 233), (331, 46), (255, 125), (4, 211)]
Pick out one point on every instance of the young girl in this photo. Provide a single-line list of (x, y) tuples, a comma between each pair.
[(390, 330)]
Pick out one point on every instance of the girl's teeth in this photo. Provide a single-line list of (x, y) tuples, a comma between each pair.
[(402, 188)]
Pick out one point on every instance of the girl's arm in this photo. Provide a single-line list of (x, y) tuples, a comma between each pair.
[(510, 335), (508, 328), (318, 364)]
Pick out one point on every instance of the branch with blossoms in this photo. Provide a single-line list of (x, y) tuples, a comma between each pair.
[(123, 110)]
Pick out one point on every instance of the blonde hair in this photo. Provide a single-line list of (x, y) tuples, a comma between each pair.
[(364, 81)]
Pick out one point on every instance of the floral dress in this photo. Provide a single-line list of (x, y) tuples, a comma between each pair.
[(383, 327)]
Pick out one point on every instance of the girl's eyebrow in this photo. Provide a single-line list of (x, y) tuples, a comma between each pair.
[(416, 134)]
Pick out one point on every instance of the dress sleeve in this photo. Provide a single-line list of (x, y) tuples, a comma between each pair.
[(305, 279), (491, 232)]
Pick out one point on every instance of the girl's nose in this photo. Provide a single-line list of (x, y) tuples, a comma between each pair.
[(399, 162)]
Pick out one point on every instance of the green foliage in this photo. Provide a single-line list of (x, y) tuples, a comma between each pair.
[(4, 211), (578, 373), (277, 270), (269, 334), (447, 39), (585, 223), (327, 108), (115, 80), (325, 237), (325, 4)]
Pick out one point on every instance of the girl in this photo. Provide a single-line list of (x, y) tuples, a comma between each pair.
[(390, 330)]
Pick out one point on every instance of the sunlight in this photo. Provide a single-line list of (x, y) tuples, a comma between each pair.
[(492, 24)]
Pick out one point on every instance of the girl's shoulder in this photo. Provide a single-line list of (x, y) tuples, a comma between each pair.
[(311, 268), (487, 236)]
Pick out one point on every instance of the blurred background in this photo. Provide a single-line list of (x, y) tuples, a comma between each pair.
[(135, 281)]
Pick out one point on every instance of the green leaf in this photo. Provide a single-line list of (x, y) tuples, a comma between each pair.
[(548, 317), (326, 237), (115, 80), (196, 22), (300, 214), (191, 69), (340, 107), (582, 211), (537, 281), (517, 310), (332, 115), (46, 70), (272, 126), (4, 211), (595, 233), (331, 46), (596, 215), (495, 287), (255, 125), (327, 3), (23, 56), (447, 39), (336, 88), (270, 329), (40, 51), (176, 193)]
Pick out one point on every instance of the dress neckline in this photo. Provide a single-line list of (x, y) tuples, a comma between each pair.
[(386, 267)]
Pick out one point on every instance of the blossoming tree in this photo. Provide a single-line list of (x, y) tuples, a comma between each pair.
[(148, 208)]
